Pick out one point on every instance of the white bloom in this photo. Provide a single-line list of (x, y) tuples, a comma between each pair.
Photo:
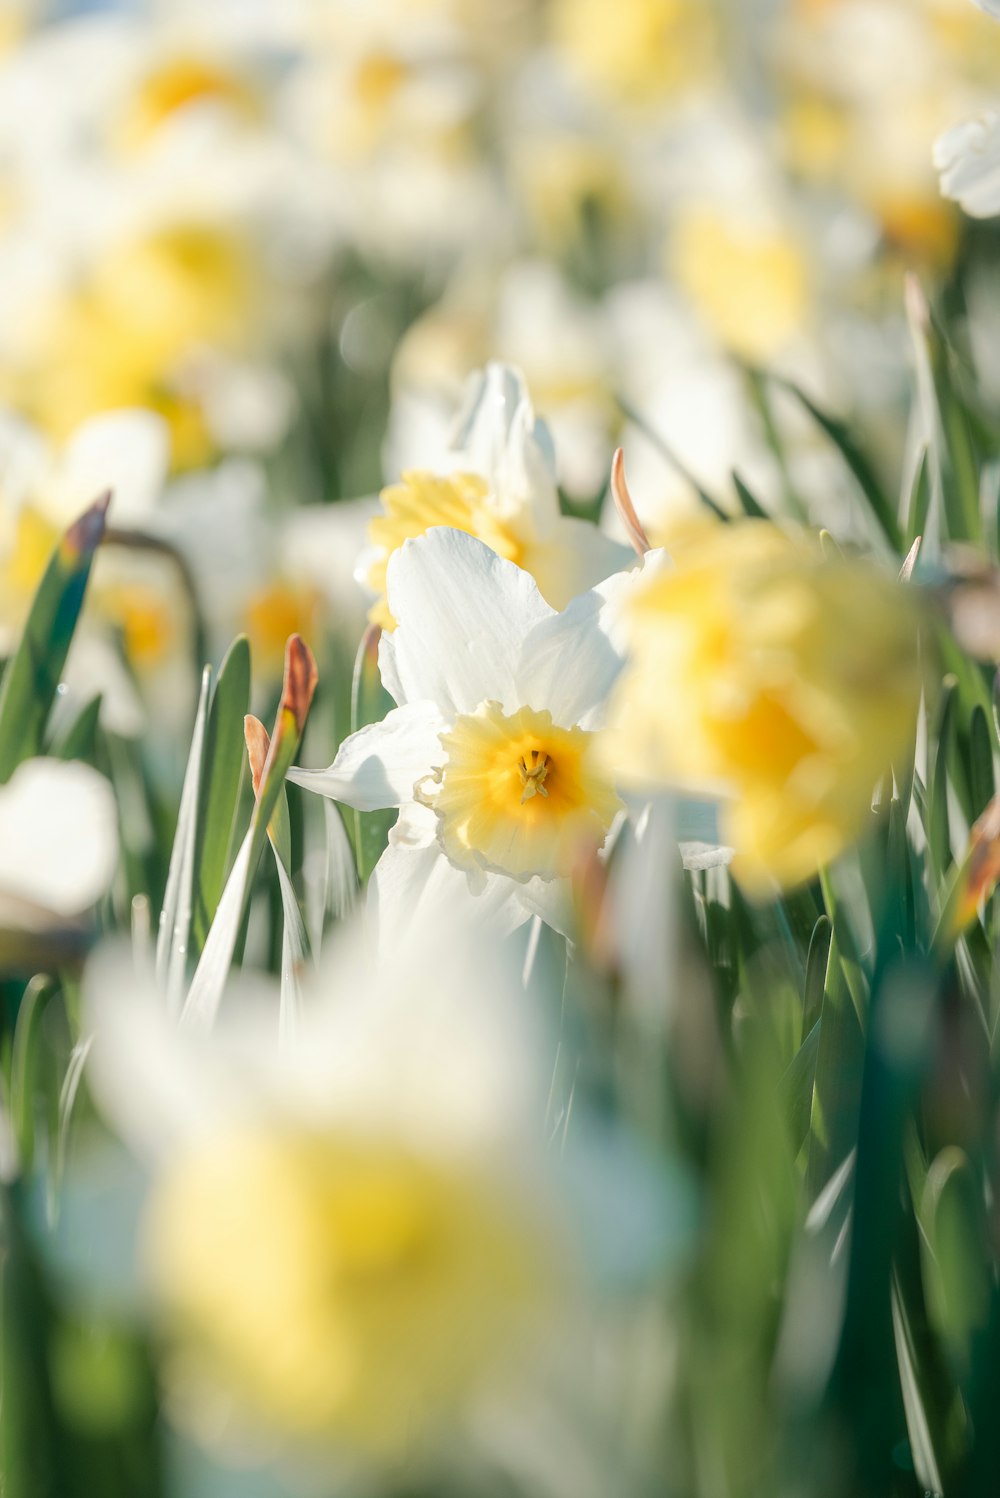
[(488, 754), (968, 160), (58, 839), (348, 1236), (498, 484)]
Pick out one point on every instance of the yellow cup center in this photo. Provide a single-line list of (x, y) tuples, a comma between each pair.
[(519, 795)]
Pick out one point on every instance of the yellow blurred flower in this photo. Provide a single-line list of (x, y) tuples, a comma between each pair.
[(749, 281), (782, 680), (337, 1286), (122, 337), (638, 50)]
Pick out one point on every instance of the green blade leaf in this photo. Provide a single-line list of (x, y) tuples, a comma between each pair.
[(173, 940), (858, 464), (32, 676), (218, 796)]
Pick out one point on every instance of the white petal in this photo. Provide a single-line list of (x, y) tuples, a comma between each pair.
[(58, 835), (551, 900), (413, 886), (577, 557), (462, 615), (380, 764), (127, 452), (568, 663), (497, 435), (968, 160)]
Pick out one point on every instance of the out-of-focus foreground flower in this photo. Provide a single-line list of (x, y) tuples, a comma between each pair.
[(356, 1237), (775, 676)]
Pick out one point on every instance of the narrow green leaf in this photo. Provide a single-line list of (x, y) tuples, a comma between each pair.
[(856, 461), (919, 503), (982, 781), (938, 821), (836, 1099), (796, 1087), (79, 739), (24, 1068), (218, 795), (815, 980), (957, 1252), (749, 505), (205, 992), (369, 704), (173, 940), (32, 675)]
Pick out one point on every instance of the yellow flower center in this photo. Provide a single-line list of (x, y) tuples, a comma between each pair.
[(178, 82), (423, 500), (518, 795), (333, 1284)]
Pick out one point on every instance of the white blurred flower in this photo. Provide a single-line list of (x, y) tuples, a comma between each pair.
[(58, 841), (358, 1238), (968, 160)]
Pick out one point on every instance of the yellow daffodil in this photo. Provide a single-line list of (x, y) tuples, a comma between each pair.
[(782, 680)]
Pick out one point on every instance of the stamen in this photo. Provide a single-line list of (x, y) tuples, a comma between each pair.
[(533, 775)]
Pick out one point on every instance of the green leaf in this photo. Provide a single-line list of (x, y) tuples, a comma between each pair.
[(815, 979), (205, 992), (856, 461), (32, 675), (173, 940), (222, 772), (24, 1068), (369, 704), (836, 1096), (982, 782), (748, 504), (796, 1087), (938, 821), (920, 500), (79, 739), (956, 1251)]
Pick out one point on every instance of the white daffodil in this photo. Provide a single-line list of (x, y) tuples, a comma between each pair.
[(968, 160), (352, 1239), (489, 752), (58, 842), (499, 484)]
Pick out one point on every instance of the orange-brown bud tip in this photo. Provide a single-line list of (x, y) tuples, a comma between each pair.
[(623, 504), (258, 742), (300, 680)]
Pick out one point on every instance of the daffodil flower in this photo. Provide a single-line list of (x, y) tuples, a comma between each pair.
[(490, 752), (58, 843), (350, 1239), (500, 487)]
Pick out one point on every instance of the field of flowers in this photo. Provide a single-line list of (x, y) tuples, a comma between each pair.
[(499, 749)]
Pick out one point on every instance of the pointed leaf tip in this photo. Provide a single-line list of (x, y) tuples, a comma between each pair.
[(258, 742), (84, 536)]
